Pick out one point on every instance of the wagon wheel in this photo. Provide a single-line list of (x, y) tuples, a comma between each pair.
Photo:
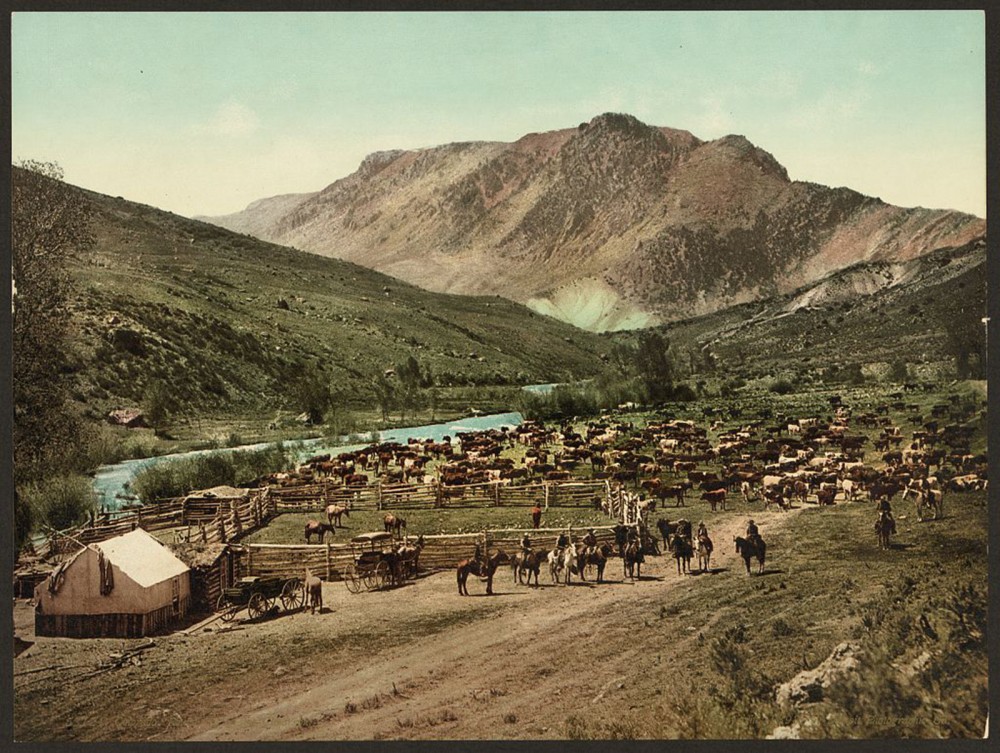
[(257, 606), (383, 574), (351, 579), (293, 595), (370, 578), (227, 608)]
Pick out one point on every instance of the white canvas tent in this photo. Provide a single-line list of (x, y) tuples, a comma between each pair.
[(128, 586)]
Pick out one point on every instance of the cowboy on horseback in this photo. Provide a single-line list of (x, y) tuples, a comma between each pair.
[(478, 556), (590, 541), (753, 534), (525, 546), (562, 542), (703, 534)]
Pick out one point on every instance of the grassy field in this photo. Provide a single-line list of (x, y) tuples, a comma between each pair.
[(287, 528)]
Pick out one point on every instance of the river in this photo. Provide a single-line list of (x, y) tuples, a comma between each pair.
[(111, 481)]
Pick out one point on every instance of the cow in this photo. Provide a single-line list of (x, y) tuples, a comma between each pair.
[(715, 498)]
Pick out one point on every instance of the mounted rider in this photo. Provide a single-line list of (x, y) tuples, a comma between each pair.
[(703, 535), (590, 541), (562, 542), (525, 547), (753, 534)]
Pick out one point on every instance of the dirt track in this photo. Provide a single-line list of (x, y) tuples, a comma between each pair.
[(542, 654)]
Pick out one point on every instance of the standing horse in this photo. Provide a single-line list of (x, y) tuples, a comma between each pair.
[(314, 592), (681, 548), (667, 529), (704, 553), (747, 549), (315, 528), (393, 523), (929, 500), (530, 563), (409, 555), (476, 567), (885, 526), (562, 559), (632, 559), (597, 557), (334, 512)]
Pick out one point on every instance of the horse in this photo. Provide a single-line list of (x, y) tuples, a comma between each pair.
[(334, 512), (704, 552), (667, 529), (315, 528), (393, 523), (597, 556), (681, 548), (929, 500), (632, 559), (314, 592), (561, 559), (748, 548), (409, 554), (530, 563), (884, 528), (476, 567), (621, 537)]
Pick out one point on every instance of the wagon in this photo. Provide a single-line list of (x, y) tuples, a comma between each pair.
[(375, 562), (258, 594)]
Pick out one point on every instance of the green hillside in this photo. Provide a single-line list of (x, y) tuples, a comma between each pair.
[(224, 323)]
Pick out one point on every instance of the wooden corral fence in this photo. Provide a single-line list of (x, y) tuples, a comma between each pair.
[(440, 552), (314, 497), (205, 520)]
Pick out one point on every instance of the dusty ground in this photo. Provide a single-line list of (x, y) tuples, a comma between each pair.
[(619, 659), (503, 667)]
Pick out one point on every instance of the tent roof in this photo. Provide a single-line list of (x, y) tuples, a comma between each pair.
[(140, 556)]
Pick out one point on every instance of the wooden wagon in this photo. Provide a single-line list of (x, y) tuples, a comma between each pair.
[(375, 565), (258, 594)]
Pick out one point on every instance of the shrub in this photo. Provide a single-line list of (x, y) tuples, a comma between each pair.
[(62, 501), (781, 387)]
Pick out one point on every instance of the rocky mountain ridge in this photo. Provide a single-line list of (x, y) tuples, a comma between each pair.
[(611, 225)]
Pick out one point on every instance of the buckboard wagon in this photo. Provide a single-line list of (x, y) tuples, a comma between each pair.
[(259, 594), (376, 563)]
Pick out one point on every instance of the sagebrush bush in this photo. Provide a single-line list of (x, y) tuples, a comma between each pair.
[(175, 478), (61, 501)]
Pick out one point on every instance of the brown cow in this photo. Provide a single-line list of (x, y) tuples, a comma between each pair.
[(715, 498)]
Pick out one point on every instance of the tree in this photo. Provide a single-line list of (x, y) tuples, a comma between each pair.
[(385, 393), (311, 393), (159, 403), (654, 366), (50, 225), (965, 342)]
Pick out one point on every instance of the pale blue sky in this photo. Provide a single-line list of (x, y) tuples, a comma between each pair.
[(202, 113)]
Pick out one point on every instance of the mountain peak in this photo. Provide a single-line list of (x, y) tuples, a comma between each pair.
[(612, 223), (743, 149)]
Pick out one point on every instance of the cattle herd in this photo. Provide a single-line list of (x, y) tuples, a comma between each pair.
[(877, 452)]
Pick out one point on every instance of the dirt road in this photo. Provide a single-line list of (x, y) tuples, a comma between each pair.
[(539, 655)]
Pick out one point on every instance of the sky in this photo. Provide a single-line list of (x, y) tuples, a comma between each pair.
[(203, 113)]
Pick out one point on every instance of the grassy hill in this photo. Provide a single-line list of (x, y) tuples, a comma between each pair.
[(224, 324)]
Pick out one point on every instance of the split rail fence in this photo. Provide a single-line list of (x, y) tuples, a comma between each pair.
[(440, 552), (213, 520)]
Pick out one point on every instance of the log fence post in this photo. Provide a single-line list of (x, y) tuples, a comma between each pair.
[(328, 571)]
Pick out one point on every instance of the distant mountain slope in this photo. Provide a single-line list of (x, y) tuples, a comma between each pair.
[(228, 321), (614, 224), (921, 312)]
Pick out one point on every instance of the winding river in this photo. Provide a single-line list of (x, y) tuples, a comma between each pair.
[(111, 481)]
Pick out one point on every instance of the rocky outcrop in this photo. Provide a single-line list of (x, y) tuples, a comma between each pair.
[(808, 686)]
